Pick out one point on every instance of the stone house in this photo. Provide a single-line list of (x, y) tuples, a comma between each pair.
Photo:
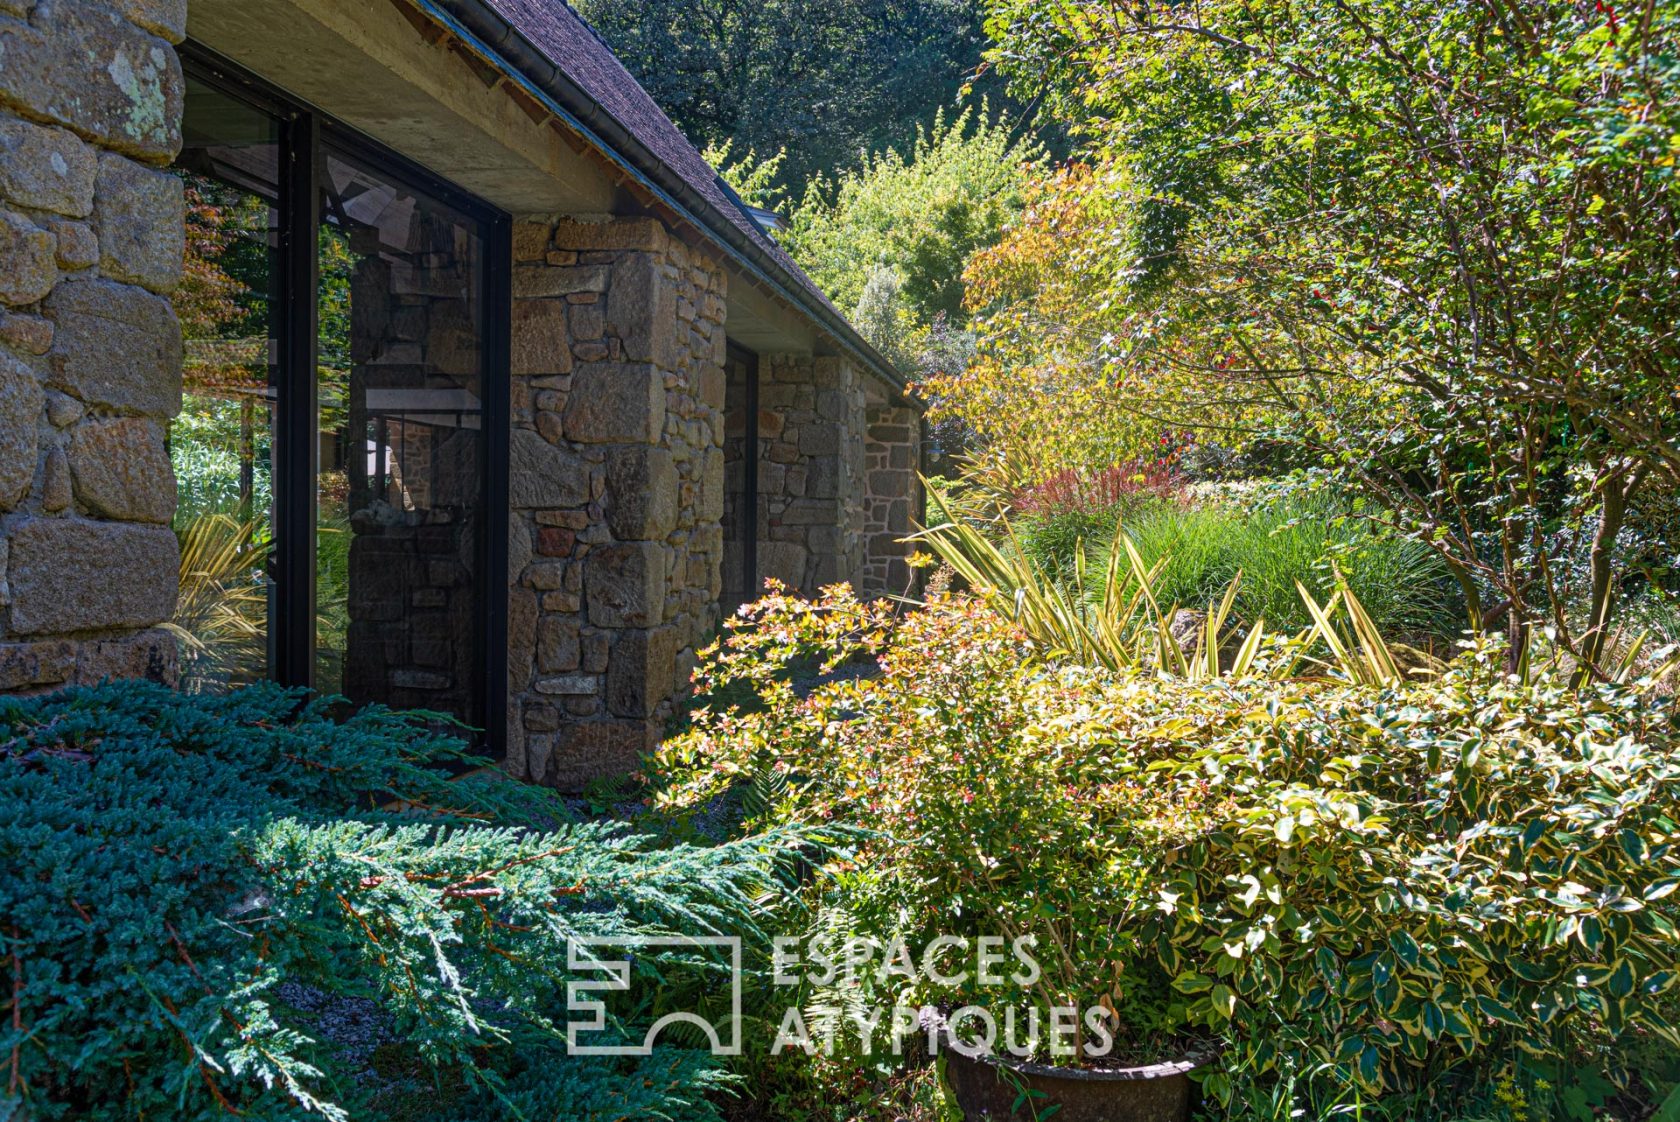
[(460, 377)]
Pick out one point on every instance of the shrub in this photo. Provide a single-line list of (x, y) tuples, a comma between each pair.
[(1275, 542), (1295, 539), (195, 884), (1382, 883)]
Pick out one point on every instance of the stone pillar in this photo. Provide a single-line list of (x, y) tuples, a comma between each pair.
[(616, 489), (811, 467), (891, 498), (91, 238)]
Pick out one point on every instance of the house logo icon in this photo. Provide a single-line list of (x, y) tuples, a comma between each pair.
[(611, 959)]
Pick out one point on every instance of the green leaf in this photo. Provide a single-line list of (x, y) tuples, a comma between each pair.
[(1620, 983), (1191, 982), (1498, 1011)]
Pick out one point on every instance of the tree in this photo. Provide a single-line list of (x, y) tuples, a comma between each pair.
[(1434, 243), (921, 215), (826, 80), (1041, 392)]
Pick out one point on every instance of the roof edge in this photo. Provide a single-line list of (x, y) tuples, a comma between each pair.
[(489, 34)]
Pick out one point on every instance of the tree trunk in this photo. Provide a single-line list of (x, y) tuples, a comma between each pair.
[(1601, 604)]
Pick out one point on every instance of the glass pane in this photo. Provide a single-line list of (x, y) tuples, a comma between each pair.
[(402, 446), (222, 444), (739, 586)]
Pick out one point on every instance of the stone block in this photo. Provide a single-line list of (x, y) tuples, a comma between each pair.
[(542, 718), (586, 751), (20, 420), (642, 312), (819, 440), (713, 384), (558, 645), (588, 321), (625, 585), (616, 403), (33, 667), (515, 762), (522, 637), (32, 335), (78, 246), (121, 469), (542, 475), (56, 492), (68, 575), (811, 512), (539, 750), (530, 240), (138, 214), (540, 343), (641, 493), (167, 18), (82, 65), (784, 561), (569, 685), (115, 345), (832, 405), (889, 433), (28, 260), (519, 547), (46, 168), (712, 489), (641, 672), (822, 478), (889, 484), (547, 280), (152, 655), (646, 234), (556, 541)]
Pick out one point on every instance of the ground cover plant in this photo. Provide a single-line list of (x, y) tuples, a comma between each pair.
[(1393, 896), (202, 891)]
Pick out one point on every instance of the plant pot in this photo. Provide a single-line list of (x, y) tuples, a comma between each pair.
[(988, 1087)]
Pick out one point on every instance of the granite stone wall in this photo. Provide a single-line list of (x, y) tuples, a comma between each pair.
[(617, 488), (91, 239), (891, 496), (810, 474)]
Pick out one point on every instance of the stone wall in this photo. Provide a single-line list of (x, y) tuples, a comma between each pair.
[(891, 498), (91, 233), (616, 485), (810, 472)]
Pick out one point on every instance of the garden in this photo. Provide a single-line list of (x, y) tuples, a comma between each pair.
[(1282, 723)]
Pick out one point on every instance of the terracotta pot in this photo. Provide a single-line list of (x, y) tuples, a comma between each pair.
[(988, 1087)]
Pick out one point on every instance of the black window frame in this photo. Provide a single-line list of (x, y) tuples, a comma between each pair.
[(306, 135)]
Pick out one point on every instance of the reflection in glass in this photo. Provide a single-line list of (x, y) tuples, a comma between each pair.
[(739, 519), (401, 445), (222, 443)]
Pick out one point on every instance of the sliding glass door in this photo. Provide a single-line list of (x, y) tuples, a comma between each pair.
[(399, 505), (343, 447)]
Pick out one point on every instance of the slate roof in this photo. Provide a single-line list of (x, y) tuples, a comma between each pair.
[(565, 40)]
